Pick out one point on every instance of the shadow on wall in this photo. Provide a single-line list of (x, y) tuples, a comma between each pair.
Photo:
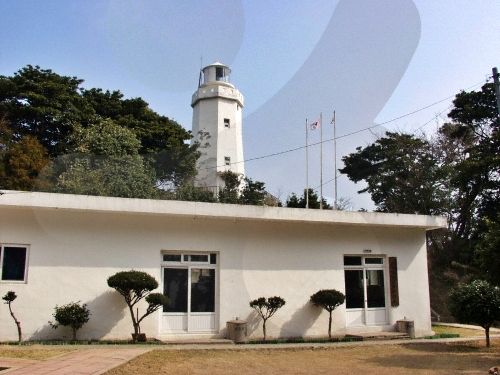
[(300, 322), (106, 311), (253, 322)]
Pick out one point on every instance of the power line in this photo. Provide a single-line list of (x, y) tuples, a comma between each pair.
[(278, 153)]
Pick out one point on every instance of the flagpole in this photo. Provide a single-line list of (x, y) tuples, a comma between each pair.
[(307, 166), (335, 156), (321, 160)]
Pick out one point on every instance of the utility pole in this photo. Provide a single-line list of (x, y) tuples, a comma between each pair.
[(496, 80)]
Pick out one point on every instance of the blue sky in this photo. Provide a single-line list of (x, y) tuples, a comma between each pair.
[(370, 60)]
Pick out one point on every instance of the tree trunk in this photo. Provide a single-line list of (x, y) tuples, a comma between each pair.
[(134, 322), (330, 326), (18, 324), (74, 333), (264, 329), (487, 332)]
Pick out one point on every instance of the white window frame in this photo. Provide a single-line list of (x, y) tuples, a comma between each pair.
[(227, 160), (227, 124), (21, 246)]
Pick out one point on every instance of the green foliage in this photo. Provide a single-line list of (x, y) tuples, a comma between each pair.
[(300, 202), (230, 192), (189, 192), (73, 315), (487, 251), (9, 297), (42, 104), (106, 162), (132, 284), (135, 286), (328, 299), (401, 173), (266, 308), (253, 193), (241, 191), (477, 302), (39, 104)]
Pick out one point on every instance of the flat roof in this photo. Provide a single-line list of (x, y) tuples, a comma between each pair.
[(131, 206)]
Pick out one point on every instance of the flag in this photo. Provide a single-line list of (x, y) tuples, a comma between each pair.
[(315, 125)]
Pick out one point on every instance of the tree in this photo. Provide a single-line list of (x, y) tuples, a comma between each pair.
[(10, 297), (22, 162), (253, 193), (43, 104), (231, 191), (73, 315), (189, 192), (266, 308), (328, 299), (477, 302), (163, 140), (49, 107), (135, 286), (105, 162), (487, 251), (300, 202), (401, 173)]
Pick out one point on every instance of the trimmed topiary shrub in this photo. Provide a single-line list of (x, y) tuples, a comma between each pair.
[(73, 315), (10, 297), (266, 308), (135, 286), (328, 299), (477, 302)]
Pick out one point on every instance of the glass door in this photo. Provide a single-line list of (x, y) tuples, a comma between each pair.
[(189, 281), (365, 291)]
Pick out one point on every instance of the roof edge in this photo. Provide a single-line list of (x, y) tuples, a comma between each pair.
[(71, 202)]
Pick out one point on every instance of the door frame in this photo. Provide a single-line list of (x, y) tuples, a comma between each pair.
[(364, 268), (189, 265)]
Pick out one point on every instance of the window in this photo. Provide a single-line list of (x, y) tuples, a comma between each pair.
[(171, 257), (374, 261), (13, 262), (227, 123), (227, 160), (352, 261), (219, 73)]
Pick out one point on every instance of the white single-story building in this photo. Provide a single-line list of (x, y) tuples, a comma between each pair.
[(211, 260)]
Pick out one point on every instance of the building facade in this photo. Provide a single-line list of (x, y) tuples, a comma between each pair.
[(210, 260)]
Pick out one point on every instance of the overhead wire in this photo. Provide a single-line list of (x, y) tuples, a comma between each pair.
[(286, 151)]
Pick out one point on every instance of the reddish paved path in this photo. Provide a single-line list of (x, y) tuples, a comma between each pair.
[(79, 362)]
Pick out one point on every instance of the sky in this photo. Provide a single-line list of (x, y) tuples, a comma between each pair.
[(370, 61)]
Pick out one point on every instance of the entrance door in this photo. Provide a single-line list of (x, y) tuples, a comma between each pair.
[(189, 282), (365, 291)]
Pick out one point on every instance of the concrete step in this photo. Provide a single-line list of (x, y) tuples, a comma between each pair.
[(199, 341), (373, 336)]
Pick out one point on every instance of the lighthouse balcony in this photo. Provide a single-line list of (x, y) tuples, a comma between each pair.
[(209, 91)]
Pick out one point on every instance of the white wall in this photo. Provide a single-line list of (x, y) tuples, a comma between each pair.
[(72, 253)]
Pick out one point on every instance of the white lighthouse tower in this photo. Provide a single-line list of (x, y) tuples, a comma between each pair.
[(217, 125)]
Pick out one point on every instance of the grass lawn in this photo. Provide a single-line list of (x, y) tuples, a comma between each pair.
[(463, 332), (434, 358), (37, 352)]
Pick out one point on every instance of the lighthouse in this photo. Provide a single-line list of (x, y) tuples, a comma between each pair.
[(217, 125)]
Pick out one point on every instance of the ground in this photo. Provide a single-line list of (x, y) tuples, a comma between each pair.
[(435, 358), (35, 352)]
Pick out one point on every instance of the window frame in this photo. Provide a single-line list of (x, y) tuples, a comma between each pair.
[(227, 161), (227, 123), (26, 263)]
